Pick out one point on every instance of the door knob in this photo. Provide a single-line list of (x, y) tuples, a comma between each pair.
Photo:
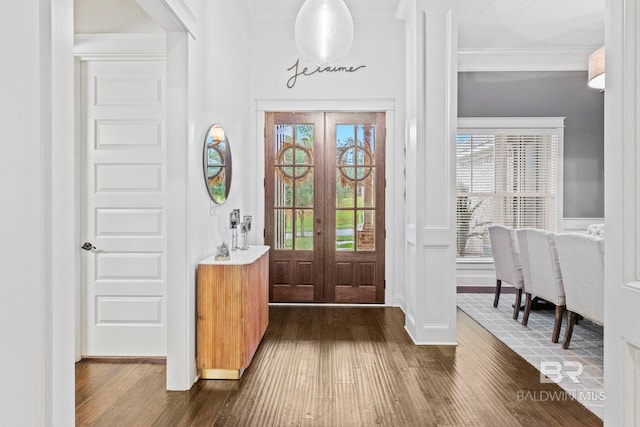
[(88, 246)]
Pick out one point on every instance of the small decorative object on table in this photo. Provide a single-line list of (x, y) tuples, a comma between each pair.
[(245, 227), (222, 252)]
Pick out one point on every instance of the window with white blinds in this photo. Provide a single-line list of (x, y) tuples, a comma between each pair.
[(505, 175)]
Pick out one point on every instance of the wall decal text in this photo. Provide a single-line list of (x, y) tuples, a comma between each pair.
[(306, 72)]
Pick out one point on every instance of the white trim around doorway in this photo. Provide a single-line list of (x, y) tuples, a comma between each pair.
[(394, 203)]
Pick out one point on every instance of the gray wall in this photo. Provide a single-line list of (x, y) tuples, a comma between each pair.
[(550, 94)]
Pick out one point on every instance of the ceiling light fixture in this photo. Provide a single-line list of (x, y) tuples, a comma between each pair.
[(324, 31), (596, 69)]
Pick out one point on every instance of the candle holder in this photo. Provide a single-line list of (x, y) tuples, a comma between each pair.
[(234, 222), (245, 227)]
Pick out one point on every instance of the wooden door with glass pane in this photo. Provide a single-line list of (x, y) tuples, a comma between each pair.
[(294, 214), (324, 206)]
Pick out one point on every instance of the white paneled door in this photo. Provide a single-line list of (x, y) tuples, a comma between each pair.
[(124, 218)]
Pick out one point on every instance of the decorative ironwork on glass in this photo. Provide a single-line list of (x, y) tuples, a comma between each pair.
[(355, 187), (282, 229), (294, 186)]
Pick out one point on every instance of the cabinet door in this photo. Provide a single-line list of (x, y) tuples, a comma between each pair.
[(221, 332), (258, 304)]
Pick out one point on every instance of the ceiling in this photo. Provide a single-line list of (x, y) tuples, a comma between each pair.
[(483, 24), (568, 26)]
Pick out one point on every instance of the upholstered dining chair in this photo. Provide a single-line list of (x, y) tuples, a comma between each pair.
[(506, 258), (581, 260), (596, 230), (541, 273)]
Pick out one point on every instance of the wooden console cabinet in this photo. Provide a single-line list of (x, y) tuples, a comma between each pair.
[(233, 312)]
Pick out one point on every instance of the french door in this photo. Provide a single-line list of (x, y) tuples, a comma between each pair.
[(324, 216)]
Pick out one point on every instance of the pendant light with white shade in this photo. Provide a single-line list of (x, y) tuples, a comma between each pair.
[(596, 69), (324, 31)]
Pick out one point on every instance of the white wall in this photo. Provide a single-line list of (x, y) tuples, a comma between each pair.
[(383, 77), (380, 47), (431, 46), (622, 201), (23, 253), (217, 93), (218, 76), (36, 308), (112, 16)]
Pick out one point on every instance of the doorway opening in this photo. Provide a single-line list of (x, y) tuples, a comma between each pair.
[(324, 206)]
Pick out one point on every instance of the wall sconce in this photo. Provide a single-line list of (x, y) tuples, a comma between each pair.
[(324, 31), (596, 69), (217, 133)]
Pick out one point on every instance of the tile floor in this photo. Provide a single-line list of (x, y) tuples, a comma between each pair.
[(533, 343)]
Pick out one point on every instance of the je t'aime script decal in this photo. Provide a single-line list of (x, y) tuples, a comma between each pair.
[(306, 72)]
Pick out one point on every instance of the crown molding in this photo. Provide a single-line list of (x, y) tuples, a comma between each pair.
[(172, 15), (551, 59), (510, 122), (120, 45)]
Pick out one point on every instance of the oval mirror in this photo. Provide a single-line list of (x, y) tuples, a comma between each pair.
[(217, 164)]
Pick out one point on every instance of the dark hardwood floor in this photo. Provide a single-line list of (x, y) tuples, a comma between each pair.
[(335, 366)]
